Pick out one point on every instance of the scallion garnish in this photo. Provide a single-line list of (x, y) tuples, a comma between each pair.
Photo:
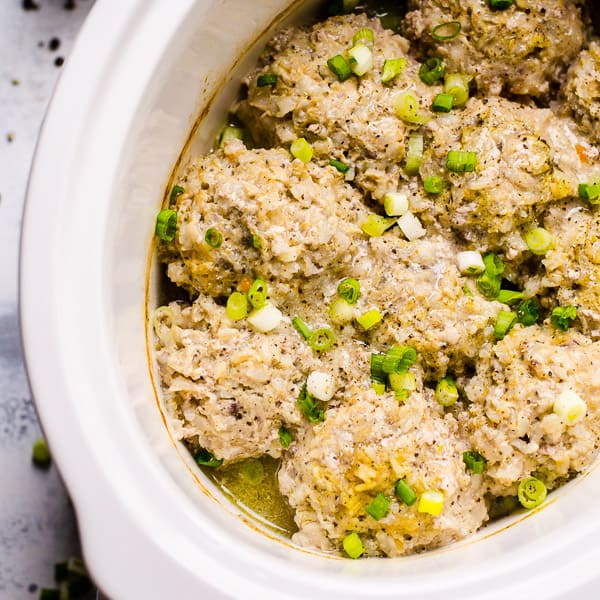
[(377, 372), (301, 150), (340, 67), (392, 67), (442, 103), (432, 70), (395, 204), (379, 507), (265, 319), (230, 132), (411, 227), (414, 156), (166, 225), (528, 312), (490, 281), (494, 265), (532, 492), (257, 294), (267, 79), (237, 306), (562, 317), (205, 458), (349, 290), (509, 297), (378, 387), (590, 192), (369, 319), (407, 108), (431, 502), (339, 165), (321, 339), (470, 262), (364, 36), (570, 407), (175, 193), (434, 184), (504, 323), (353, 545), (500, 4), (376, 225), (475, 462), (213, 237), (539, 241), (457, 86), (40, 454), (360, 59), (446, 392), (341, 312), (406, 354), (402, 381), (285, 437), (405, 493), (301, 327), (309, 407), (461, 162), (256, 242), (446, 31)]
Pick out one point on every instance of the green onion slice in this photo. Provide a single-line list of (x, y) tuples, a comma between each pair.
[(539, 241), (309, 407), (378, 387), (500, 4), (257, 294), (166, 225), (349, 290), (446, 31), (504, 323), (475, 462), (353, 545), (442, 103), (392, 67), (377, 372), (590, 192), (446, 392), (364, 36), (509, 297), (321, 339), (563, 316), (301, 327), (40, 454), (407, 108), (341, 312), (405, 492), (377, 225), (175, 193), (213, 237), (256, 242), (253, 471), (379, 507), (301, 150), (494, 265), (267, 79), (434, 185), (369, 319), (461, 162), (230, 132), (204, 458), (285, 437), (339, 66), (414, 156), (457, 86), (528, 312), (432, 70), (339, 165), (360, 59), (532, 492), (237, 306), (489, 285)]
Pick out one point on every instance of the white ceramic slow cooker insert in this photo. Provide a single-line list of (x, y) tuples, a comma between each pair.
[(152, 525)]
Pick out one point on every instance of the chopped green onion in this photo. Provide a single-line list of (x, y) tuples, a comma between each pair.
[(494, 265), (377, 372), (500, 4), (267, 79), (434, 185), (442, 103), (457, 85), (379, 507), (256, 242), (395, 204), (376, 225), (339, 165), (401, 395), (321, 339), (407, 108), (237, 306), (392, 67), (403, 381), (253, 471), (539, 241), (308, 406), (570, 407), (489, 285), (320, 385), (411, 227), (475, 462), (257, 294), (405, 492), (341, 312), (364, 36), (461, 162), (166, 225), (446, 392), (528, 312), (563, 316), (213, 237), (349, 290), (467, 291), (285, 437), (40, 454), (204, 458), (504, 323), (265, 319), (175, 193), (378, 387), (353, 545), (360, 59), (230, 132), (339, 66), (341, 7), (446, 31), (432, 70), (369, 319), (301, 327), (414, 156), (407, 354), (590, 192), (301, 150), (532, 492), (470, 262), (509, 297), (431, 502)]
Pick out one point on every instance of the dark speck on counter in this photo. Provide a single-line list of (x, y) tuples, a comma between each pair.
[(30, 5), (54, 44), (58, 61)]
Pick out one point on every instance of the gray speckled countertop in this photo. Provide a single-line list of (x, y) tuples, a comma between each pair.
[(37, 525)]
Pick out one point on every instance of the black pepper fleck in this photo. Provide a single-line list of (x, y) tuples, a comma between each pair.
[(10, 136), (54, 44), (70, 5), (58, 61), (30, 5)]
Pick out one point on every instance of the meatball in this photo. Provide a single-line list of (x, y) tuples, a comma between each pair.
[(278, 217), (522, 50), (353, 120), (361, 450), (511, 419)]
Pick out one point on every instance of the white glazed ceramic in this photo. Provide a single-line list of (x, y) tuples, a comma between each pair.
[(152, 526)]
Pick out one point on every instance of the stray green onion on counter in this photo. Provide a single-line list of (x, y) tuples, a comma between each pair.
[(40, 454)]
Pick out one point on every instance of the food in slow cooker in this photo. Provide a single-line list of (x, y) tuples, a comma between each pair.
[(391, 268)]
